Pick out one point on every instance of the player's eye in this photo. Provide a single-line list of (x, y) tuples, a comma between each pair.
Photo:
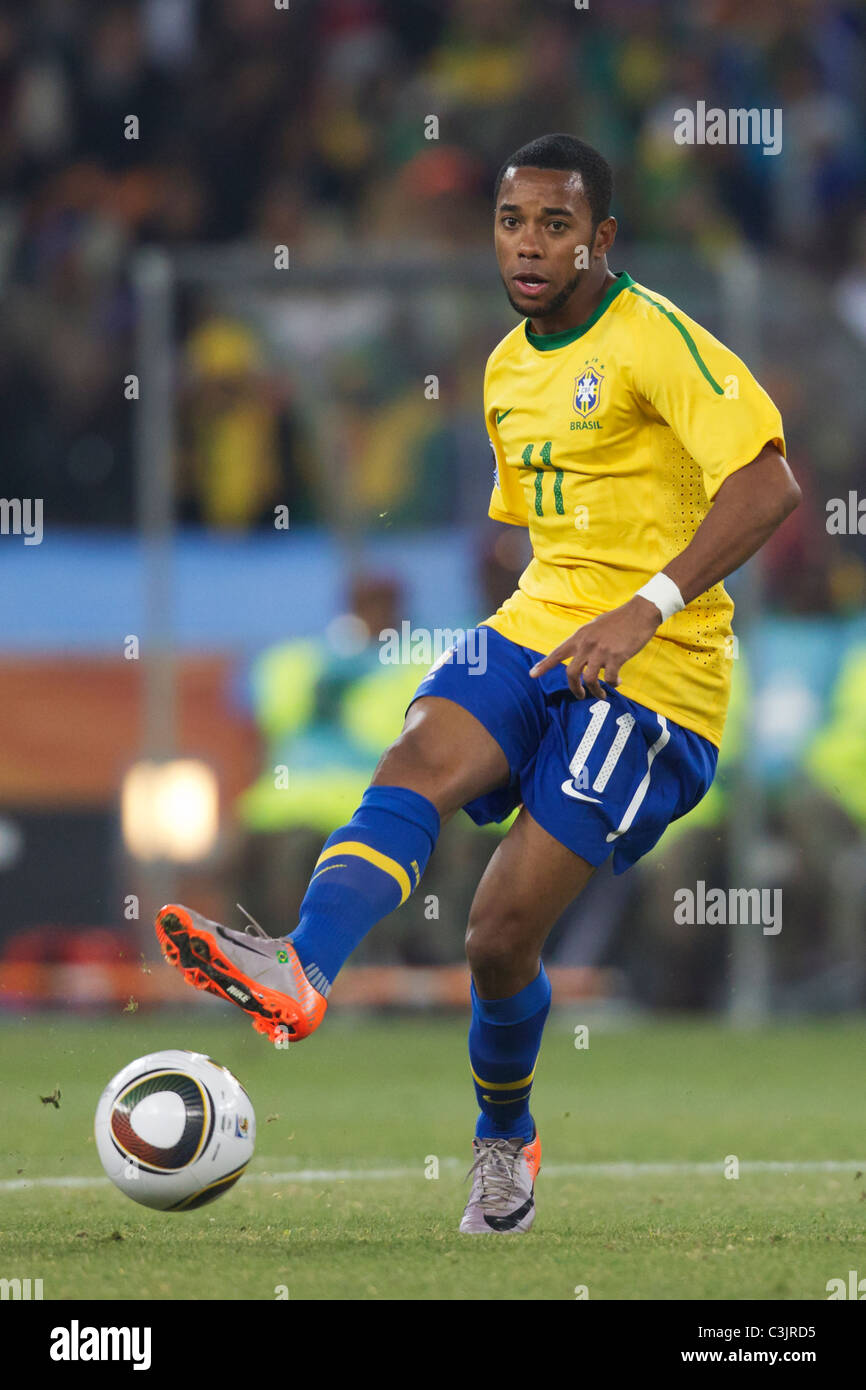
[(508, 221), (556, 226)]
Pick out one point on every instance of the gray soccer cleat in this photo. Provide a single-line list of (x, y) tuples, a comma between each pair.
[(260, 974), (503, 1186)]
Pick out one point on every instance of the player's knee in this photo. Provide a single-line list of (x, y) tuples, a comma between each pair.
[(417, 761), (496, 944)]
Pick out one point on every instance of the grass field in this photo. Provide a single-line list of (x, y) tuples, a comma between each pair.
[(336, 1206)]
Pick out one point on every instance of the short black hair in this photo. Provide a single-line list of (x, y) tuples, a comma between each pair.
[(567, 152)]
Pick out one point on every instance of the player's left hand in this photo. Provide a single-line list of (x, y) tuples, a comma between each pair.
[(603, 645)]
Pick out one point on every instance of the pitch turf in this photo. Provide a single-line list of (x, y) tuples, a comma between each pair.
[(384, 1097)]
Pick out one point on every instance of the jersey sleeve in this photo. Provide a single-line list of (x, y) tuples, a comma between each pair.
[(507, 502), (707, 395)]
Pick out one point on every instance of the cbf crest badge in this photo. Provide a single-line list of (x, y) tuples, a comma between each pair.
[(587, 390)]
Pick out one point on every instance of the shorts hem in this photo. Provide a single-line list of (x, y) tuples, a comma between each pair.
[(556, 835)]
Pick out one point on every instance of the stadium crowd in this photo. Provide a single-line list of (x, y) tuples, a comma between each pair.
[(306, 126)]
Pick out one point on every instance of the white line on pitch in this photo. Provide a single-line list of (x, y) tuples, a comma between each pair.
[(552, 1170)]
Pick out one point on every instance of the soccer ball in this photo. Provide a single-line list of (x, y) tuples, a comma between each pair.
[(174, 1130)]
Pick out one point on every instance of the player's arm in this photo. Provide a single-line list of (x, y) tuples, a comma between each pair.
[(747, 509)]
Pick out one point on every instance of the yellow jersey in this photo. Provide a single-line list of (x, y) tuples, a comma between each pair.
[(610, 442)]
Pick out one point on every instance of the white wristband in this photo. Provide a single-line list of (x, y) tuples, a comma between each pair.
[(664, 593)]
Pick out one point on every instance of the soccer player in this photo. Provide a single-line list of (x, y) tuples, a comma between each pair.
[(648, 464)]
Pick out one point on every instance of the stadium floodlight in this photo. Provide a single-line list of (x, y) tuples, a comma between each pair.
[(170, 810)]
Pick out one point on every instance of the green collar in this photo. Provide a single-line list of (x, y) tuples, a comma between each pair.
[(547, 342)]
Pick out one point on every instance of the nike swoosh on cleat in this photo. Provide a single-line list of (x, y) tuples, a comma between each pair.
[(502, 414), (507, 1223), (254, 949)]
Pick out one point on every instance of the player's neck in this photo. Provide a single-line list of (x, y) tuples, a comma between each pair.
[(581, 306)]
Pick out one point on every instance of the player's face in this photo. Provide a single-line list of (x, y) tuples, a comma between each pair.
[(544, 238)]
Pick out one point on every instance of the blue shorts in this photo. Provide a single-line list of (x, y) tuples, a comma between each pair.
[(601, 776)]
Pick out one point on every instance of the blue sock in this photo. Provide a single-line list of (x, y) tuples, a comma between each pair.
[(365, 870), (504, 1040)]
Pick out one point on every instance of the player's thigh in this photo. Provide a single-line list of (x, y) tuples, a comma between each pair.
[(445, 754), (526, 887)]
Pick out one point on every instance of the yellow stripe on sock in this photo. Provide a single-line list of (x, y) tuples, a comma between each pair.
[(381, 861), (503, 1085)]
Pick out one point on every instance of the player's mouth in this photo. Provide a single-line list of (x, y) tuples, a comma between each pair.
[(530, 284)]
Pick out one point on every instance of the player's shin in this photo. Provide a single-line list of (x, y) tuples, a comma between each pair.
[(504, 1041), (365, 870)]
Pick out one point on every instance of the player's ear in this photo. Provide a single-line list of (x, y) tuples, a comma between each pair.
[(605, 235)]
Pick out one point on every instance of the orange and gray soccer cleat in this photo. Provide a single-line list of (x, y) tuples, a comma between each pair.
[(260, 974), (503, 1186)]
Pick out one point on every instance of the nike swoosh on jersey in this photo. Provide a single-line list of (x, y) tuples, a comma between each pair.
[(502, 414), (571, 790)]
